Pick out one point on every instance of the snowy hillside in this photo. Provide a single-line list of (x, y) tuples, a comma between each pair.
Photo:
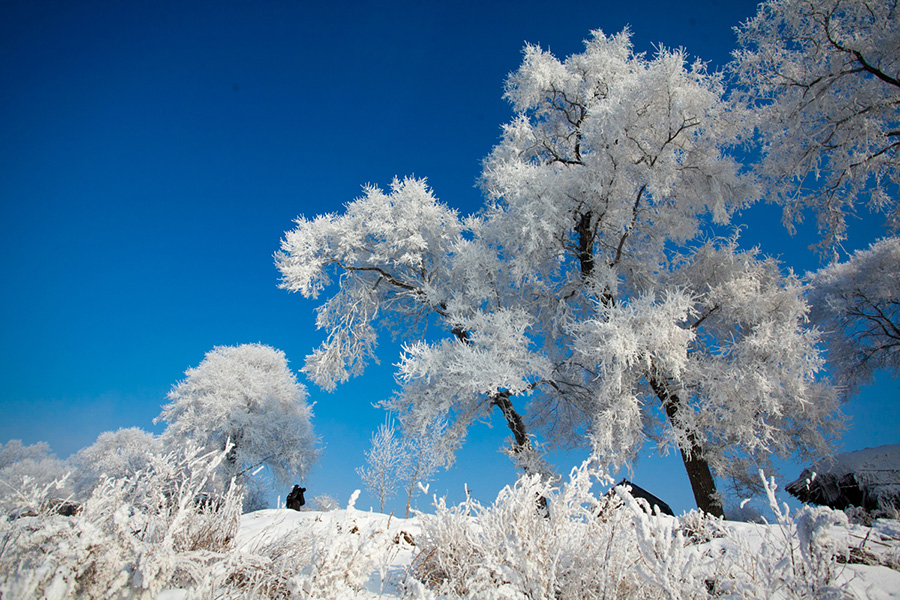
[(390, 576), (393, 567), (157, 536)]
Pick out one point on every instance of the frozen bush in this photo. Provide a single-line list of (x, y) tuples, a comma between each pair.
[(583, 548), (133, 537), (614, 547), (333, 556), (796, 557), (699, 527)]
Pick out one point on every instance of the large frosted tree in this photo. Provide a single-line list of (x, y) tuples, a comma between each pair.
[(823, 76), (587, 302), (245, 396)]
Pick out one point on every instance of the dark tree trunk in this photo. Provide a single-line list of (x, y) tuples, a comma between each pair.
[(698, 471), (521, 442), (702, 482), (513, 420), (585, 244)]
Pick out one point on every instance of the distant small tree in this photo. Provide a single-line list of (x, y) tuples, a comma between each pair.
[(822, 78), (34, 465), (118, 454), (424, 456), (396, 461), (385, 460), (247, 396), (856, 304)]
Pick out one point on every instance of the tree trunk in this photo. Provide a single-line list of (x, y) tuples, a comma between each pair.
[(697, 467), (521, 442), (585, 244), (699, 473), (702, 482)]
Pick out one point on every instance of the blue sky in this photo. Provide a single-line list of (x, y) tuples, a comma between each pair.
[(153, 154)]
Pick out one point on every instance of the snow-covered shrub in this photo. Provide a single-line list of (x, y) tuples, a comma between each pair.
[(24, 466), (665, 563), (615, 547), (796, 557), (333, 556), (584, 547), (699, 527), (134, 536)]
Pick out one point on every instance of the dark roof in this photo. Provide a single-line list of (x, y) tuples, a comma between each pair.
[(639, 492), (866, 478)]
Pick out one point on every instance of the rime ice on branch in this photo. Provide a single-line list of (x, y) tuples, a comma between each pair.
[(823, 78)]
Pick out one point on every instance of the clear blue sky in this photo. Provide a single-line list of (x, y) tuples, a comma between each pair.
[(152, 154)]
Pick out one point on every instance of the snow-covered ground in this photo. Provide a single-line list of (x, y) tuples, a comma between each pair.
[(149, 538), (880, 543), (261, 528)]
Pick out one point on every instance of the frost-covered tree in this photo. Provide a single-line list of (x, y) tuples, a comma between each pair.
[(856, 304), (824, 78), (581, 302), (425, 455), (15, 451), (33, 465), (403, 259), (384, 460), (117, 454), (722, 344), (246, 396), (396, 461)]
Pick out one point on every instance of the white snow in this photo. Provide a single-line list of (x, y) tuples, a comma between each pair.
[(263, 527), (872, 582), (880, 459)]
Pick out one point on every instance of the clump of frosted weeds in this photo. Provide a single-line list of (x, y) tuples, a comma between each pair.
[(798, 556), (165, 528), (616, 547), (334, 556), (699, 527), (133, 537), (583, 547)]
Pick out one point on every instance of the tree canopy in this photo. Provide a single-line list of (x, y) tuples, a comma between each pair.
[(856, 304), (245, 396), (590, 300)]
